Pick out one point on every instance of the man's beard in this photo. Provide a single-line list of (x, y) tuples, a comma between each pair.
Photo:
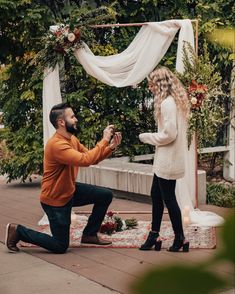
[(70, 128)]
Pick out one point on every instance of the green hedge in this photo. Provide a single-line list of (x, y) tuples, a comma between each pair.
[(220, 195)]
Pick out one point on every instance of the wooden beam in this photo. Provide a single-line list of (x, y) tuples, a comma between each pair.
[(111, 25), (138, 24)]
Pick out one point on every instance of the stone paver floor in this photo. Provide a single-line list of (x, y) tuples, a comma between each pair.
[(115, 269)]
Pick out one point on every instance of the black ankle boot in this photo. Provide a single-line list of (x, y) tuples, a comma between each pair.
[(179, 242), (152, 241)]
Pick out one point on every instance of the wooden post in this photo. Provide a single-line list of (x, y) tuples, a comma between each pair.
[(196, 172), (196, 36), (196, 141), (229, 157)]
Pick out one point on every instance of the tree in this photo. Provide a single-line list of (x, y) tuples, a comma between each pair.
[(22, 24), (22, 28)]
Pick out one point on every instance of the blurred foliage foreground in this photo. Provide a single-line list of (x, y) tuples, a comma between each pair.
[(193, 279)]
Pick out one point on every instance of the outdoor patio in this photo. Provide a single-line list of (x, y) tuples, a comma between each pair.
[(115, 269)]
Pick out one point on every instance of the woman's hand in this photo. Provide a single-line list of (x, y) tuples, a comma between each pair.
[(143, 137)]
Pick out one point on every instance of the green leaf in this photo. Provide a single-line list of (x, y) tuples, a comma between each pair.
[(27, 95), (228, 237), (178, 280)]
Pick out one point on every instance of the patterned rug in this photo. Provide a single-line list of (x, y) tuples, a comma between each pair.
[(199, 237)]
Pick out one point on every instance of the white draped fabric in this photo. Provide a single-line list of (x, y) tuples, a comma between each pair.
[(143, 54), (51, 96), (128, 68)]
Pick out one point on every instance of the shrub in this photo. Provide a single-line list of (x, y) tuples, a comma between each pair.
[(220, 195)]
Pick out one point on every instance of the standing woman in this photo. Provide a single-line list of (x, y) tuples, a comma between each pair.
[(171, 111)]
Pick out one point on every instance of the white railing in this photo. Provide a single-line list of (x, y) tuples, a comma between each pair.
[(229, 157)]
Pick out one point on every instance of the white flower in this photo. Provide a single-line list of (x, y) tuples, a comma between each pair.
[(123, 225), (71, 37), (194, 100), (135, 86)]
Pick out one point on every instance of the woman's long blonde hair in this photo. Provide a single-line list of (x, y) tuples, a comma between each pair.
[(165, 84)]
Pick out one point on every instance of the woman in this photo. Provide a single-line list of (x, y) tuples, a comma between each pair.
[(171, 110)]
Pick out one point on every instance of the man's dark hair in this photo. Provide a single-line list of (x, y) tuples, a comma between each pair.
[(57, 112)]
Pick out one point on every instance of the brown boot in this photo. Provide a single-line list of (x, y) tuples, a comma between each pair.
[(94, 240), (12, 238)]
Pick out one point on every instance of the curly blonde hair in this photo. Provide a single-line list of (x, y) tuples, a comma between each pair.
[(165, 83)]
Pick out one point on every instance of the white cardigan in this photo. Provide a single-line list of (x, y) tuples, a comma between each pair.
[(170, 142)]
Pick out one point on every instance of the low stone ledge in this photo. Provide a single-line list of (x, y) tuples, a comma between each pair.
[(130, 177)]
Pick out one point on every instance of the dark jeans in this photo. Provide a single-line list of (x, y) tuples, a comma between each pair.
[(163, 191), (60, 218)]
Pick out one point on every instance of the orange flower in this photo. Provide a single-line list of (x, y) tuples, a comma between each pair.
[(202, 88), (195, 87), (58, 33)]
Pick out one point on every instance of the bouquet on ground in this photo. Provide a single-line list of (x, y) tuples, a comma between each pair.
[(113, 223)]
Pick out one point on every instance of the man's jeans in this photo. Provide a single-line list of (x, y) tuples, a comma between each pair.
[(60, 218)]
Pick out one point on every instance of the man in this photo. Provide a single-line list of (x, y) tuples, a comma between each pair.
[(62, 157)]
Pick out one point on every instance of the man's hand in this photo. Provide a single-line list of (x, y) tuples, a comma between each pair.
[(116, 140), (108, 132)]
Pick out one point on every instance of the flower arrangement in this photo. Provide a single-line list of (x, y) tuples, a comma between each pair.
[(197, 93), (63, 39), (113, 223), (206, 98)]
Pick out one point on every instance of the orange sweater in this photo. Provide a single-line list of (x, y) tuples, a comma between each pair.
[(62, 157)]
